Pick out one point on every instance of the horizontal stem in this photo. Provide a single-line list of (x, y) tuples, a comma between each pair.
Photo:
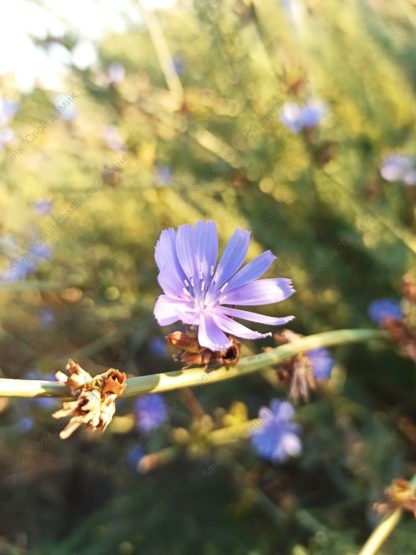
[(192, 377)]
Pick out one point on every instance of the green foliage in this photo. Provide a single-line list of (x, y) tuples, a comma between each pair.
[(343, 234)]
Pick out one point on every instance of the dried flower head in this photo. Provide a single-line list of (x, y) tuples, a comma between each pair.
[(400, 494), (94, 405), (302, 373), (189, 352)]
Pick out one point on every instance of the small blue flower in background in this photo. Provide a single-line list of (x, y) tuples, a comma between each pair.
[(8, 109), (163, 174), (322, 363), (112, 138), (18, 270), (158, 347), (134, 456), (42, 206), (278, 437), (297, 118), (398, 167), (199, 291), (22, 267), (26, 424), (178, 65), (151, 412), (41, 251), (46, 317), (115, 73), (380, 308), (7, 137)]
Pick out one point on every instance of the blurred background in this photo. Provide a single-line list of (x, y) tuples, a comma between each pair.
[(294, 119)]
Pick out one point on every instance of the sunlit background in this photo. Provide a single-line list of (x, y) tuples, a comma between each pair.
[(294, 119)]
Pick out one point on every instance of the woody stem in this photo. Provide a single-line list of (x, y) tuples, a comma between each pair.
[(193, 377)]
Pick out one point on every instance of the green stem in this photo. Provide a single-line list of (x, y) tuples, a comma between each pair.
[(193, 377)]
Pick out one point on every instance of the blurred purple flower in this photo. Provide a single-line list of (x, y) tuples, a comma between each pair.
[(158, 347), (277, 438), (163, 175), (151, 412), (197, 290), (115, 73), (134, 456), (112, 138), (7, 136), (22, 267), (26, 424), (398, 167), (42, 206), (41, 251), (380, 308), (46, 317), (8, 109), (297, 118), (322, 363), (178, 65)]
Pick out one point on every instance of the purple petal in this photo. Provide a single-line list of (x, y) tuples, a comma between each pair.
[(210, 334), (289, 445), (171, 277), (237, 329), (232, 257), (168, 310), (251, 271), (255, 317), (206, 252), (260, 292), (282, 410)]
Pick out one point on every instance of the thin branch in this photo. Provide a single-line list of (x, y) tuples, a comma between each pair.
[(193, 377)]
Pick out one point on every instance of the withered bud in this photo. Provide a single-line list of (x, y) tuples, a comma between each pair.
[(401, 335), (399, 494), (94, 405), (295, 373), (409, 287), (190, 353)]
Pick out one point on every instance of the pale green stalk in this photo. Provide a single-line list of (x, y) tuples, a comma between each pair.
[(192, 377), (384, 529)]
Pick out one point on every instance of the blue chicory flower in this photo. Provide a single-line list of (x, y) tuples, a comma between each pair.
[(46, 317), (112, 138), (200, 292), (42, 206), (379, 309), (178, 65), (7, 136), (277, 438), (151, 412), (398, 167), (158, 347), (25, 424), (134, 456), (115, 73), (163, 174), (8, 109), (322, 363), (41, 251), (297, 118)]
